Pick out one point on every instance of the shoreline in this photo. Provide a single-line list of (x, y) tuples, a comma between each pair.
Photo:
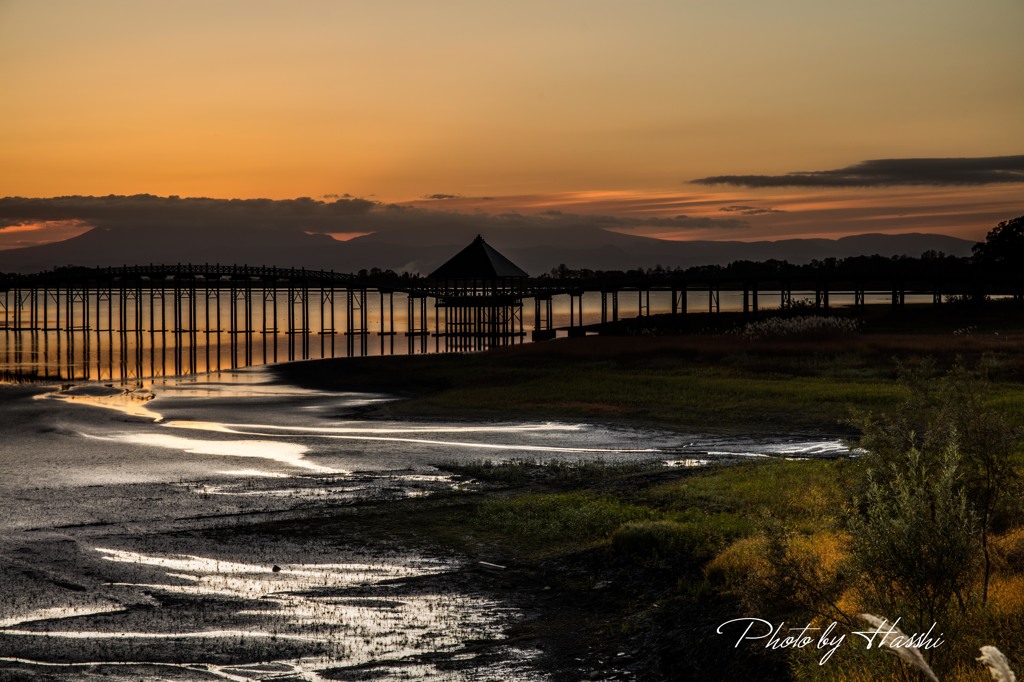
[(595, 606), (444, 523)]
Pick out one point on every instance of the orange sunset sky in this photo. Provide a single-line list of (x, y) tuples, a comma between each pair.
[(583, 106)]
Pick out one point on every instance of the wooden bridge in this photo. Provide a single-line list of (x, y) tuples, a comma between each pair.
[(203, 317)]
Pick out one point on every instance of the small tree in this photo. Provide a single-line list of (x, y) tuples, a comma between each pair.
[(987, 441), (953, 414), (916, 545)]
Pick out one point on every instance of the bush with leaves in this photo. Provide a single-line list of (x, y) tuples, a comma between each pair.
[(916, 546), (954, 414)]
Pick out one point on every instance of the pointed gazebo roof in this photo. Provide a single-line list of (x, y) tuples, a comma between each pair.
[(478, 261)]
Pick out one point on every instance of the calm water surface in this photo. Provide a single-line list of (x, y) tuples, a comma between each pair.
[(122, 340)]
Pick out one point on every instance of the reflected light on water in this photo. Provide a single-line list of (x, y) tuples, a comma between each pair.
[(291, 454), (252, 473), (265, 621), (507, 428), (365, 434), (206, 634), (686, 462), (57, 612), (152, 342), (213, 572), (131, 403)]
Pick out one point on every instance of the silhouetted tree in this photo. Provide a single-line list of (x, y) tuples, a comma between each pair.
[(1004, 244), (1002, 254)]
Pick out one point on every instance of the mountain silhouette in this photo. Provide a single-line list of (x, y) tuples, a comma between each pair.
[(421, 251)]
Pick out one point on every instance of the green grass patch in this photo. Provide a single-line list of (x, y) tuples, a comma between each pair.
[(686, 397), (563, 519), (676, 382), (678, 542), (804, 492)]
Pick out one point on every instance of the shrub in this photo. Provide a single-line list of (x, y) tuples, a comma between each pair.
[(954, 417), (808, 326), (916, 546)]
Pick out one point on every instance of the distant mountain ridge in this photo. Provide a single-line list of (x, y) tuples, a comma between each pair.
[(536, 251)]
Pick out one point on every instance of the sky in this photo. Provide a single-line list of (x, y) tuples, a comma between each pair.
[(767, 119)]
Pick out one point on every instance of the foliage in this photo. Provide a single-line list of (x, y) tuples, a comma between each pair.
[(916, 546), (1004, 244), (806, 327), (958, 424), (930, 528), (941, 484), (954, 414)]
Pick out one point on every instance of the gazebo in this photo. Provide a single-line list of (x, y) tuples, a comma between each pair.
[(480, 292)]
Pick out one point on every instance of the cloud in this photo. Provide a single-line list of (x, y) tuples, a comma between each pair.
[(679, 221), (750, 210), (145, 211), (988, 170), (442, 197), (242, 218)]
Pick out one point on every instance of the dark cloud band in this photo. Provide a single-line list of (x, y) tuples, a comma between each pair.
[(145, 210), (443, 197), (891, 172), (750, 210), (241, 217)]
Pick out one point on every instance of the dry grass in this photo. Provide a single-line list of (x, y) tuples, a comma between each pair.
[(776, 579), (1006, 595)]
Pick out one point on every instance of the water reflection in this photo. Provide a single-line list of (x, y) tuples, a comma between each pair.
[(251, 621), (132, 334), (277, 451), (389, 434)]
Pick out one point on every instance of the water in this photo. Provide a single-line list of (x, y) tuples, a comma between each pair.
[(123, 517), (141, 337)]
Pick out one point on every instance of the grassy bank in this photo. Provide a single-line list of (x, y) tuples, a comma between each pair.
[(698, 382), (627, 572), (632, 569)]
